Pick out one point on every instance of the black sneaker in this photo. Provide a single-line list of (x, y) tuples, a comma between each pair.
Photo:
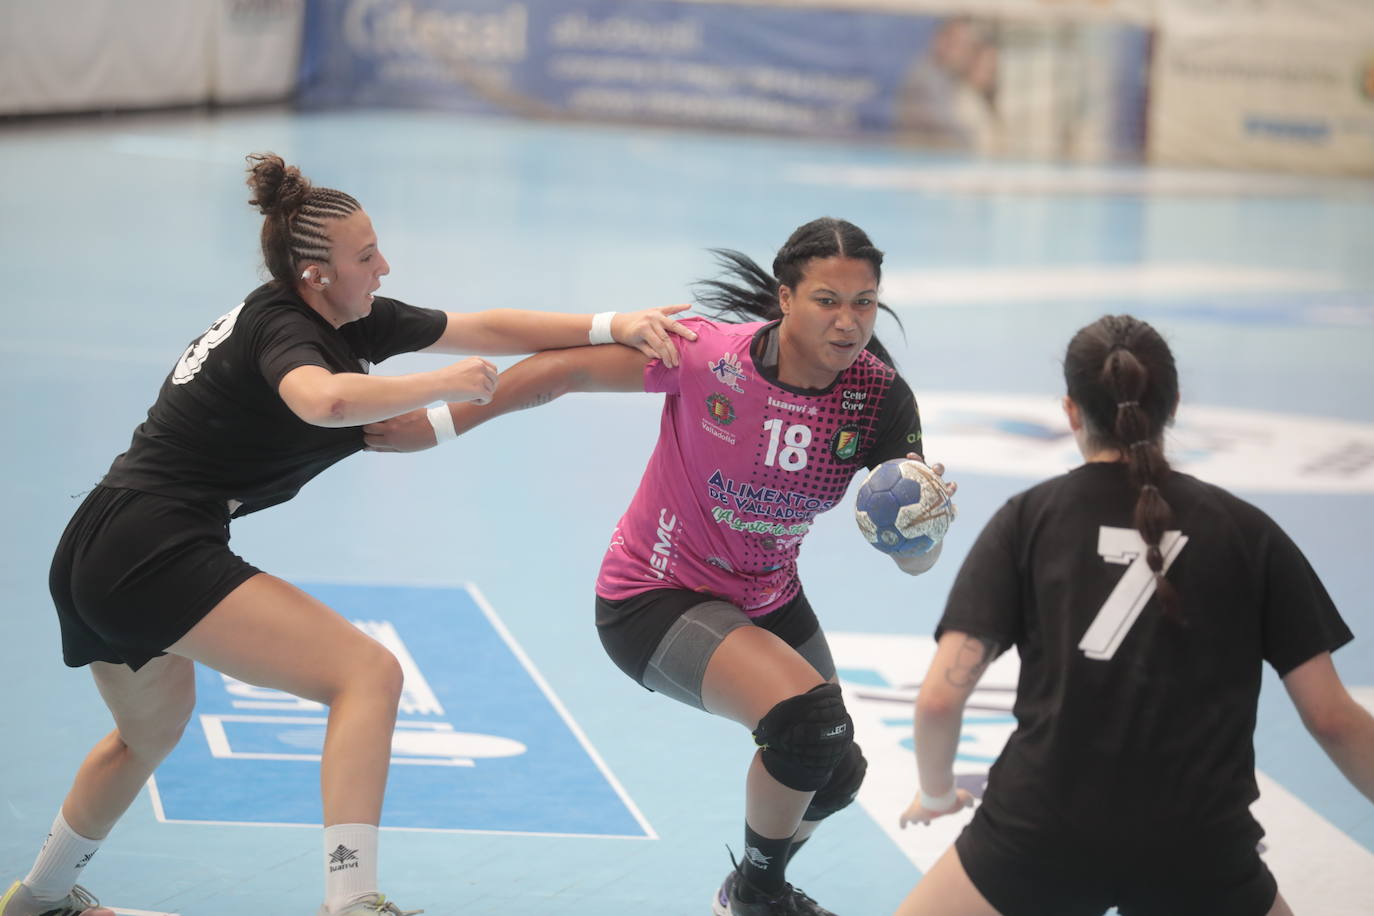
[(791, 902)]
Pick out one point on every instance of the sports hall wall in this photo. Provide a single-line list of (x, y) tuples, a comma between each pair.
[(1279, 84)]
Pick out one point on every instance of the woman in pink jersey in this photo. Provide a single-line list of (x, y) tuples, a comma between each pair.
[(764, 425)]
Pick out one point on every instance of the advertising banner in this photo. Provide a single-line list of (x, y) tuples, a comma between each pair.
[(1289, 86), (952, 81), (83, 55), (257, 49)]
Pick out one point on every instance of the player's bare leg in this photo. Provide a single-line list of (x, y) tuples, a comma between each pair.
[(946, 890), (150, 707), (750, 672), (272, 634)]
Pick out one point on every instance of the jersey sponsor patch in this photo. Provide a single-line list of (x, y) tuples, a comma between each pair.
[(719, 408), (729, 371), (790, 407), (845, 443)]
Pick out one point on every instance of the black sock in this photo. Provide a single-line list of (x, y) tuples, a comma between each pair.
[(765, 862), (796, 844)]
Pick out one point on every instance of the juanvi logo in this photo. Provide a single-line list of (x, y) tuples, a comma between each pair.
[(405, 28), (342, 857)]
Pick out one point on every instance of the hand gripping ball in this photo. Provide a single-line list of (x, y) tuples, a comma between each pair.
[(903, 507)]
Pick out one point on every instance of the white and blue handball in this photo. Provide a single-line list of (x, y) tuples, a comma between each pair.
[(903, 507)]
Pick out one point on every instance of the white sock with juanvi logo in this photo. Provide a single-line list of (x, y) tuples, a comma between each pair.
[(350, 864), (60, 861)]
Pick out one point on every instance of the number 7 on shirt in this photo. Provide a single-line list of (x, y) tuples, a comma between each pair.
[(1119, 612)]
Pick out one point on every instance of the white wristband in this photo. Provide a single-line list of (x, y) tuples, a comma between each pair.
[(939, 803), (442, 422), (601, 328)]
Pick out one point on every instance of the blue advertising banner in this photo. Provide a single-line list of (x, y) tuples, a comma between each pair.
[(938, 79), (481, 743)]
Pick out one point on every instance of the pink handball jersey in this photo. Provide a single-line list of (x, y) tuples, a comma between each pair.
[(744, 464)]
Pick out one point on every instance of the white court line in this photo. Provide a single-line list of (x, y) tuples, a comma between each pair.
[(121, 911), (576, 729)]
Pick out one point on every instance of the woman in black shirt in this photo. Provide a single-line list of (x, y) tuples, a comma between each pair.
[(1143, 603), (274, 392)]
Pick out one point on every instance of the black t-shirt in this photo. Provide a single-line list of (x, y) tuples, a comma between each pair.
[(220, 431), (1161, 732)]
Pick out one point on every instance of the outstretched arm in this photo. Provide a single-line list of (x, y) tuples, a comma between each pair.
[(508, 331), (1343, 728), (959, 662), (336, 399), (529, 383)]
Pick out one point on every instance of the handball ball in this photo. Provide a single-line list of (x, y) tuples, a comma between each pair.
[(903, 507)]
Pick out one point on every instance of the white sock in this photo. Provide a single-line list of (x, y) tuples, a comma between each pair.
[(350, 864), (59, 862)]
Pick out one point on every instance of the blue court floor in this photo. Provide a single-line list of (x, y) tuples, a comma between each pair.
[(530, 777)]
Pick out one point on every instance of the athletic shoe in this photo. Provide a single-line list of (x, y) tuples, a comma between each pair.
[(374, 905), (19, 901), (791, 902)]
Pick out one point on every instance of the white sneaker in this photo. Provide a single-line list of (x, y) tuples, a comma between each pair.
[(19, 901), (373, 905)]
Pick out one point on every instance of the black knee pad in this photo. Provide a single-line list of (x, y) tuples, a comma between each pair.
[(842, 788), (805, 737)]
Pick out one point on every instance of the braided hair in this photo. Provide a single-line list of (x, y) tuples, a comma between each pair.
[(295, 215), (1121, 374), (751, 293)]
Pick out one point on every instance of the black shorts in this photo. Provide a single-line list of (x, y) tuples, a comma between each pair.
[(1181, 873), (134, 572), (632, 629)]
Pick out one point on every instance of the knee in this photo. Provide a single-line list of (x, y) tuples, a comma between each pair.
[(376, 671), (154, 733), (842, 788), (805, 737)]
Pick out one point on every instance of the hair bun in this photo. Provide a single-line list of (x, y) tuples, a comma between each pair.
[(276, 186)]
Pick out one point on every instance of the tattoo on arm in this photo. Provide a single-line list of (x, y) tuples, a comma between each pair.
[(975, 654), (537, 400)]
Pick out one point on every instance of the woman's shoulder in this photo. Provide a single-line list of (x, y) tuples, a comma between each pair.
[(703, 324), (1218, 501)]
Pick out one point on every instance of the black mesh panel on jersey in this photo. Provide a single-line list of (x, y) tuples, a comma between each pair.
[(805, 737)]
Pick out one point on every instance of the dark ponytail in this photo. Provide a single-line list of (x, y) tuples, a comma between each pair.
[(751, 293), (295, 215), (1122, 376)]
